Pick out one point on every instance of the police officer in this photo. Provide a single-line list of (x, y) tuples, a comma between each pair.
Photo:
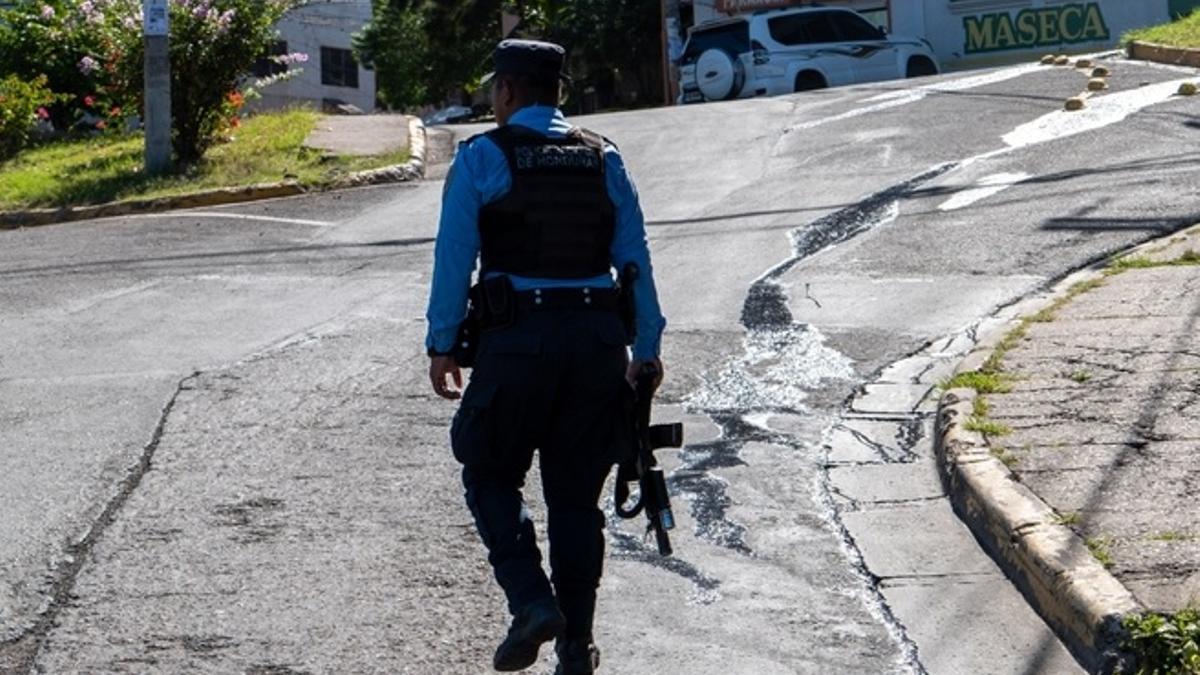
[(550, 211)]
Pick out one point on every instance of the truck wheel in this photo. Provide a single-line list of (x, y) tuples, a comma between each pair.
[(919, 66), (809, 80), (720, 75)]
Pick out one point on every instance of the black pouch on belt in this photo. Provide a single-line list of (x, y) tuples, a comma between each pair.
[(491, 305), (498, 302)]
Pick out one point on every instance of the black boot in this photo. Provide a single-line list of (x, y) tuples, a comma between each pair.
[(534, 624), (576, 656)]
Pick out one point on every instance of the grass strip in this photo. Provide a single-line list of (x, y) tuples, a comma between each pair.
[(267, 148), (1189, 257), (989, 428), (1100, 548), (1183, 32), (988, 382)]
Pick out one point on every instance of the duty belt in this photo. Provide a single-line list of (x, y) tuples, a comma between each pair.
[(567, 298), (494, 305)]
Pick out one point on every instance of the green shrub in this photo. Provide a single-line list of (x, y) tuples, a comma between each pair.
[(21, 103), (93, 52), (48, 38), (1165, 644)]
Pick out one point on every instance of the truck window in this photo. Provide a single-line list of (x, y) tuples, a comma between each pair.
[(854, 28), (802, 29), (733, 38)]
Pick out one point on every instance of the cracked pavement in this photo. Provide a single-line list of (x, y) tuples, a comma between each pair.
[(301, 513)]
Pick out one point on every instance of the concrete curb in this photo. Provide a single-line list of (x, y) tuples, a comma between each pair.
[(413, 169), (1176, 56), (1047, 560)]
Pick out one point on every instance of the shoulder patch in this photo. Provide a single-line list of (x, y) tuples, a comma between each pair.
[(593, 139), (587, 137)]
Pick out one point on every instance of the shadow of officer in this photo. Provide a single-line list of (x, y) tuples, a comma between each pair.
[(549, 210)]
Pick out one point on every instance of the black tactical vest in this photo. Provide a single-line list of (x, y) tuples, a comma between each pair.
[(557, 221)]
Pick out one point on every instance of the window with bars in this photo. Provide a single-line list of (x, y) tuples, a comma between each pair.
[(338, 68)]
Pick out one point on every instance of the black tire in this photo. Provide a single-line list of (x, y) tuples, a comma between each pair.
[(919, 66), (809, 80)]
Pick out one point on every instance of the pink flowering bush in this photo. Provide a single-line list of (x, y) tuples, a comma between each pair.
[(92, 52), (214, 43), (51, 38)]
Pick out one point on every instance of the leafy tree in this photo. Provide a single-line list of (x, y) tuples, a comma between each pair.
[(425, 51), (396, 46), (614, 46)]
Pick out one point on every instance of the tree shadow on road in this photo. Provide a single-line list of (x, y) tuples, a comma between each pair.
[(98, 266)]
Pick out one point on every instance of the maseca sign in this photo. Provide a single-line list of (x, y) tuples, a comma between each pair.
[(1049, 26), (987, 31), (969, 32)]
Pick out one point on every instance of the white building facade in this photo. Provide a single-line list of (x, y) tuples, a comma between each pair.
[(323, 30), (970, 33)]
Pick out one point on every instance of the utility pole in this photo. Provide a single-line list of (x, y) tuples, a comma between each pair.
[(157, 83), (671, 40)]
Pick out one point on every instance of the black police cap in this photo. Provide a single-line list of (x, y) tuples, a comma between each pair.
[(543, 60)]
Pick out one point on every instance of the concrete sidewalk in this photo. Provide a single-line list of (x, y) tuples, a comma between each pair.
[(1074, 457), (361, 135)]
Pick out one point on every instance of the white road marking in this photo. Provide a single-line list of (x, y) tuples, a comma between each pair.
[(1101, 111), (988, 186), (963, 83), (899, 98), (238, 216)]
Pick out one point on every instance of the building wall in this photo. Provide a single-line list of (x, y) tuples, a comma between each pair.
[(969, 33), (321, 23)]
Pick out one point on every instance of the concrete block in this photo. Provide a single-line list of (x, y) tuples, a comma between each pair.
[(888, 482), (986, 614), (885, 537), (890, 398)]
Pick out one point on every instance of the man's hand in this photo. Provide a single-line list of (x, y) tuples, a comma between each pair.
[(439, 368), (635, 367)]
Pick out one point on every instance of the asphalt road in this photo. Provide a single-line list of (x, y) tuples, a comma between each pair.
[(221, 453)]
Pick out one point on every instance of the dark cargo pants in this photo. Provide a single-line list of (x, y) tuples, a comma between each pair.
[(551, 382)]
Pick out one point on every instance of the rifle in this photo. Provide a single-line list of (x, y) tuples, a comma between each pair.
[(643, 468)]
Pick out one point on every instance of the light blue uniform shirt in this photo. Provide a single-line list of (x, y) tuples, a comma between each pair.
[(479, 175)]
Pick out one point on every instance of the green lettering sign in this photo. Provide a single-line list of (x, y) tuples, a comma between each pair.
[(1005, 39), (1071, 22), (1027, 29), (1050, 26), (979, 33), (1093, 25)]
